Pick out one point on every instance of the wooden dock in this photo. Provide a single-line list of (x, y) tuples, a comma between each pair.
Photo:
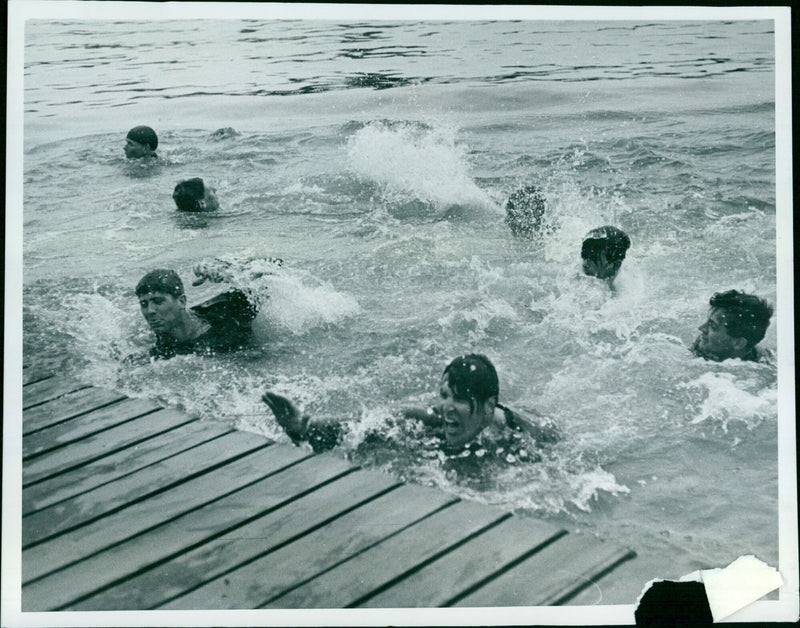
[(128, 505)]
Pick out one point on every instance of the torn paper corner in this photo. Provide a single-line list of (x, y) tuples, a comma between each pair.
[(692, 577), (710, 594), (744, 581), (646, 588)]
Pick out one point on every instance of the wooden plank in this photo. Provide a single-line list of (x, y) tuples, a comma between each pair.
[(179, 534), (157, 477), (88, 424), (47, 389), (116, 528), (549, 575), (116, 520), (623, 586), (468, 566), (120, 464), (32, 375), (255, 583), (68, 406), (99, 445), (385, 562), (219, 556), (594, 572)]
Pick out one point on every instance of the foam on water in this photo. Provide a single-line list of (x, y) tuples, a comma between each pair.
[(100, 331), (299, 302), (485, 315), (587, 485), (413, 161), (728, 401)]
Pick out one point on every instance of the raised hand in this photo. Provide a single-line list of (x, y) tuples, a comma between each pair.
[(286, 414)]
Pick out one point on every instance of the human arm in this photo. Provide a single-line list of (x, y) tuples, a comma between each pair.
[(321, 435), (231, 310), (233, 270), (248, 278)]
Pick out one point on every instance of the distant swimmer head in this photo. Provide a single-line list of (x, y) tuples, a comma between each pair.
[(162, 300), (141, 141), (224, 133), (193, 195), (525, 210), (469, 391), (736, 323), (603, 251)]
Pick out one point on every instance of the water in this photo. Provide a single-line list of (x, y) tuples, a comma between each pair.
[(374, 159)]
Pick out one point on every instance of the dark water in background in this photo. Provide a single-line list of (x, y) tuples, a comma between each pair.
[(375, 159)]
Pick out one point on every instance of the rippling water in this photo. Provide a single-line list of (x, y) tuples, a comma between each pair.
[(375, 159)]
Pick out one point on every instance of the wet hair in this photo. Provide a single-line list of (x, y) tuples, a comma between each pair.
[(189, 194), (472, 377), (613, 241), (160, 280), (144, 135), (525, 211), (746, 316)]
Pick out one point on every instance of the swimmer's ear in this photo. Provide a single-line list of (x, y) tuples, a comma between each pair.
[(740, 343), (182, 299), (489, 406)]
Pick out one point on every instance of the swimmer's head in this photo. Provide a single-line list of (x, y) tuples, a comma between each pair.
[(472, 377), (162, 302), (736, 323), (525, 210), (193, 195), (141, 141), (160, 280), (468, 391), (603, 251)]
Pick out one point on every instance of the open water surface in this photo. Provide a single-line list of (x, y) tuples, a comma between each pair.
[(374, 158)]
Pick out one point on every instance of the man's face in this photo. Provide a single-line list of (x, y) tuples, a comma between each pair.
[(162, 311), (714, 342), (135, 150), (461, 424)]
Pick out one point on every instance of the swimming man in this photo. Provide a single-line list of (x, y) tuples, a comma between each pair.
[(193, 195), (219, 324), (736, 323), (468, 405), (140, 142), (602, 252)]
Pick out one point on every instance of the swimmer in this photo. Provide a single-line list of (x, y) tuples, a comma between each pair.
[(140, 142), (193, 195), (525, 212), (468, 405), (736, 323), (602, 252), (219, 324), (224, 133)]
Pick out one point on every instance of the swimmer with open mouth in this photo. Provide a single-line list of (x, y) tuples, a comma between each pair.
[(468, 404)]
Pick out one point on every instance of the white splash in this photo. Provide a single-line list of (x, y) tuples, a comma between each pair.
[(587, 484), (299, 301), (415, 162), (727, 402)]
